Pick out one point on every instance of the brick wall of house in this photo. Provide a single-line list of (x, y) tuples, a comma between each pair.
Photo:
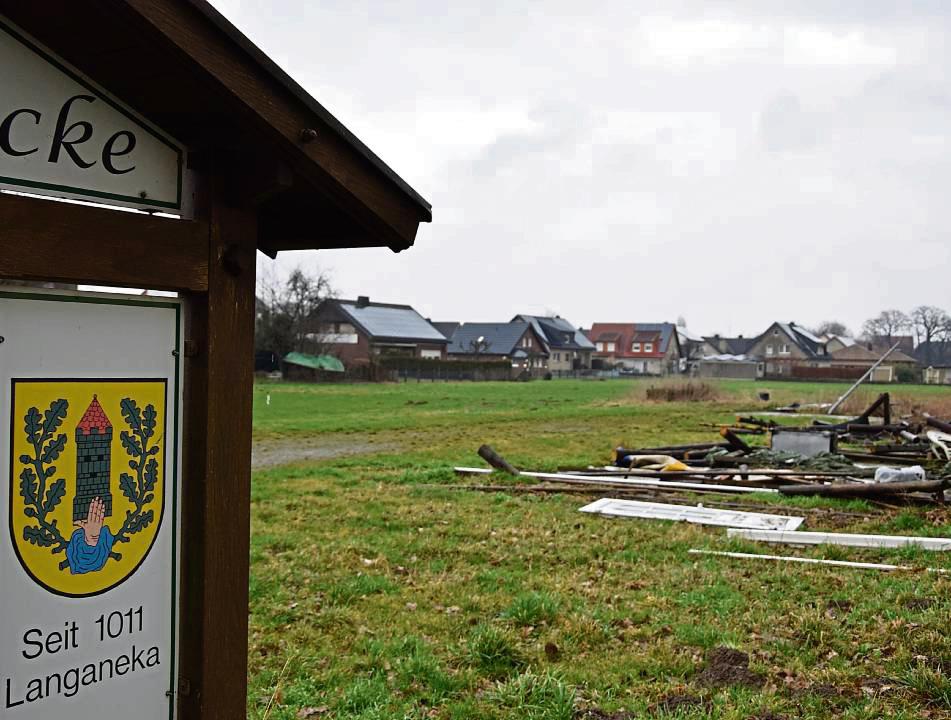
[(351, 354)]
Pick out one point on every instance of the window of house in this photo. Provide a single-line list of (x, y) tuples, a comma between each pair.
[(648, 347), (610, 347), (557, 357), (784, 349), (600, 347), (635, 347), (769, 349)]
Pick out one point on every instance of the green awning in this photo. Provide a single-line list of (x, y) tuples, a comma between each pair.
[(315, 362)]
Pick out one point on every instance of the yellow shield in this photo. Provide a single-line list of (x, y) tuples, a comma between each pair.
[(87, 479)]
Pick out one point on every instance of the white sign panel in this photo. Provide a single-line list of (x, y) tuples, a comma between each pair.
[(89, 448), (63, 136)]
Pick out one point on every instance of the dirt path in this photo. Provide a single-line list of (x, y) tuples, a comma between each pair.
[(274, 452)]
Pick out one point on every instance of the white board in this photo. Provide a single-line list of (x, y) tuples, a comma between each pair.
[(62, 135), (686, 513), (780, 537), (90, 447)]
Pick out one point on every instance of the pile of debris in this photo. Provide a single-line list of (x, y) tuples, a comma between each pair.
[(883, 462), (852, 459)]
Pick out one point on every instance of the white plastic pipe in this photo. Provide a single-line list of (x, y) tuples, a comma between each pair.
[(817, 561), (627, 482)]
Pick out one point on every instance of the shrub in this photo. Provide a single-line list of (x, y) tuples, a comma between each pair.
[(688, 391)]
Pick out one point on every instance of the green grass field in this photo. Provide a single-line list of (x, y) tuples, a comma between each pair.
[(377, 592)]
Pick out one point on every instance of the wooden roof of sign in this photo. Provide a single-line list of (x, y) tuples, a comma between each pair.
[(188, 70)]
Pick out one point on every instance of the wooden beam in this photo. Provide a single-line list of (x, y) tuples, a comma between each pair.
[(326, 158), (69, 243), (217, 475)]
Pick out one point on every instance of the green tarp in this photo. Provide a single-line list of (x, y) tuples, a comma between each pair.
[(315, 362)]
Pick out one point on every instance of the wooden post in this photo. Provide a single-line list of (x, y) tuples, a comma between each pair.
[(217, 474)]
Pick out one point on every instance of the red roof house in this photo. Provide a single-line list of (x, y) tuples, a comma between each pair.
[(641, 348)]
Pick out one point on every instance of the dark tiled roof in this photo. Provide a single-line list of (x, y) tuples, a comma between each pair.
[(557, 332), (731, 345), (807, 342), (498, 338), (446, 328)]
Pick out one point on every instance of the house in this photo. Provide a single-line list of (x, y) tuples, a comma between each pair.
[(643, 348), (516, 342), (854, 361), (937, 375), (567, 347), (881, 343), (935, 357), (358, 331), (787, 345)]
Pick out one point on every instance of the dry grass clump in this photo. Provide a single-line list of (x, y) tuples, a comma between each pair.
[(682, 391), (939, 407), (909, 405)]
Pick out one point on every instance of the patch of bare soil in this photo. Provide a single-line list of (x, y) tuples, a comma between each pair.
[(836, 609), (920, 604), (274, 452), (728, 666)]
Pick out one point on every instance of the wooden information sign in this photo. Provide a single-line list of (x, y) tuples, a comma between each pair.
[(61, 135), (126, 422)]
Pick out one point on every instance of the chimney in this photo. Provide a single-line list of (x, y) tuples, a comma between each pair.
[(363, 301)]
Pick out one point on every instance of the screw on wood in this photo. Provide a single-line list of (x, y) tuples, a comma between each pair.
[(308, 135)]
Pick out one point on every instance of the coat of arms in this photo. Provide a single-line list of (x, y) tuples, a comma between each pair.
[(86, 494)]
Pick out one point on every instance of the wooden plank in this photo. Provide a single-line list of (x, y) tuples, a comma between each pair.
[(329, 161), (64, 242), (217, 479)]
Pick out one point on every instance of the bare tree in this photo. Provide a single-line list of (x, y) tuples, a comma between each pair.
[(930, 324), (832, 327), (479, 346), (887, 324), (284, 308)]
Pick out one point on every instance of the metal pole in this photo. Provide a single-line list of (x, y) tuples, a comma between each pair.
[(837, 403)]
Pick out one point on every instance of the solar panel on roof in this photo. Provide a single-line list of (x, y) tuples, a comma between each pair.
[(393, 322)]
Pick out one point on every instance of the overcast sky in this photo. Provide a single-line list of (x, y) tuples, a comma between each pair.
[(733, 163)]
